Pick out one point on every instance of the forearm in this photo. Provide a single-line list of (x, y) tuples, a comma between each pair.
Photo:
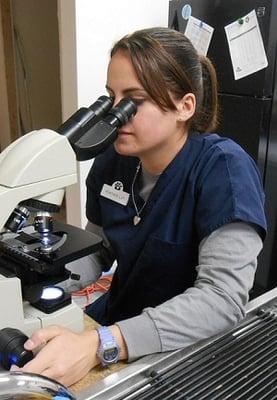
[(123, 350)]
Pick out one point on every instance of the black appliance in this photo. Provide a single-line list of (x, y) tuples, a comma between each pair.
[(248, 106)]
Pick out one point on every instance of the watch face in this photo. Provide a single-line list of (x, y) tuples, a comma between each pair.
[(111, 354)]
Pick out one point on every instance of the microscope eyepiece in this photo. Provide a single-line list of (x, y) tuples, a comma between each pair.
[(101, 105), (121, 113), (104, 132), (85, 118)]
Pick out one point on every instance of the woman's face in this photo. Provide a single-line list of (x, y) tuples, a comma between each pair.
[(152, 132)]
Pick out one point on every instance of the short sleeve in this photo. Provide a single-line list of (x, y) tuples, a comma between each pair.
[(229, 190)]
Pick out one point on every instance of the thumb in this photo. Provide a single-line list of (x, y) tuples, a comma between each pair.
[(15, 368), (30, 345), (41, 337)]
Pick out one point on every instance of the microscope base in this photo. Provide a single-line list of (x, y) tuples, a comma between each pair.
[(70, 316), (19, 314)]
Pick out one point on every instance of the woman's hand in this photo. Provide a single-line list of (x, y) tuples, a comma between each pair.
[(65, 356)]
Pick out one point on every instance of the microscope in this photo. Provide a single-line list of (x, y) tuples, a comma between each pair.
[(34, 248)]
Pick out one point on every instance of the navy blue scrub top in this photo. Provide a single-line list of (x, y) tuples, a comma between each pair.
[(211, 182)]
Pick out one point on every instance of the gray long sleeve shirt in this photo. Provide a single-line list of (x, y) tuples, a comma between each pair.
[(225, 274), (226, 270)]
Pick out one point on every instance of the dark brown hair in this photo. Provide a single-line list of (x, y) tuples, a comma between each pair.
[(166, 63)]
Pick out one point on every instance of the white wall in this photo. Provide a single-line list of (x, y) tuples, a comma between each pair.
[(98, 24)]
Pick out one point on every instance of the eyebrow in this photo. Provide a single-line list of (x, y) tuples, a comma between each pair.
[(128, 91)]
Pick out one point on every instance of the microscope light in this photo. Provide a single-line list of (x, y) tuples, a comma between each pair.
[(52, 299), (52, 293)]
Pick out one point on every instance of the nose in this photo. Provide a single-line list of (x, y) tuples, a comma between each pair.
[(117, 99)]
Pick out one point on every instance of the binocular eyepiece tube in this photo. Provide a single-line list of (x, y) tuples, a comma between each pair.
[(84, 118), (91, 130), (104, 132)]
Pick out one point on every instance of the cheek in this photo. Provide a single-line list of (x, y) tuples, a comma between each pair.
[(151, 124)]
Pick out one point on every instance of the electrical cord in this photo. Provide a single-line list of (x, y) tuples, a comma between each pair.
[(102, 285)]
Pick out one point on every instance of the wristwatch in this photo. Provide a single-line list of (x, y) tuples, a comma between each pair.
[(108, 350)]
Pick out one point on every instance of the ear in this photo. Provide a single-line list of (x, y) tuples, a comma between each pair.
[(186, 107)]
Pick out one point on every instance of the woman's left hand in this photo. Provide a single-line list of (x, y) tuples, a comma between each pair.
[(65, 356)]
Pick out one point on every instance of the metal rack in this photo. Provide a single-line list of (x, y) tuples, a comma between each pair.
[(238, 365)]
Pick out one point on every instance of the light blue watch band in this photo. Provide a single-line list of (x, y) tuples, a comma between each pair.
[(108, 351)]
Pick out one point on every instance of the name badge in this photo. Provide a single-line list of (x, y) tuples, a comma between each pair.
[(115, 193)]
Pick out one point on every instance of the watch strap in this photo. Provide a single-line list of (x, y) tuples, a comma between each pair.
[(108, 345)]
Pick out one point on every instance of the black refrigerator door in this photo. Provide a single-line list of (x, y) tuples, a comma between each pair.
[(266, 276), (246, 120), (252, 122), (220, 13)]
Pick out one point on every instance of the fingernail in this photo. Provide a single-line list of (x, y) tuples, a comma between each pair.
[(29, 344), (14, 368)]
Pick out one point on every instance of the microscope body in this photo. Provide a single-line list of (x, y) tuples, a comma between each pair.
[(38, 165), (34, 171)]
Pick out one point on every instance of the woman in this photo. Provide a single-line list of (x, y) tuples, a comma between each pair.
[(188, 231)]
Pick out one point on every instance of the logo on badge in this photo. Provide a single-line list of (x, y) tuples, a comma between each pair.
[(117, 185)]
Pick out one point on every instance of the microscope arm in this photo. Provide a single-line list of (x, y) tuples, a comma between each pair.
[(38, 165)]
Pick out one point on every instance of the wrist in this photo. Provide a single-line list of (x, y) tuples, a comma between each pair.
[(91, 341), (108, 350), (111, 345), (123, 354)]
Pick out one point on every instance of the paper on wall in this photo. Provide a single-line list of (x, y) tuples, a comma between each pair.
[(246, 46), (200, 34)]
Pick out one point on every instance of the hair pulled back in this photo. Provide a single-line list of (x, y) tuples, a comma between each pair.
[(166, 63)]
